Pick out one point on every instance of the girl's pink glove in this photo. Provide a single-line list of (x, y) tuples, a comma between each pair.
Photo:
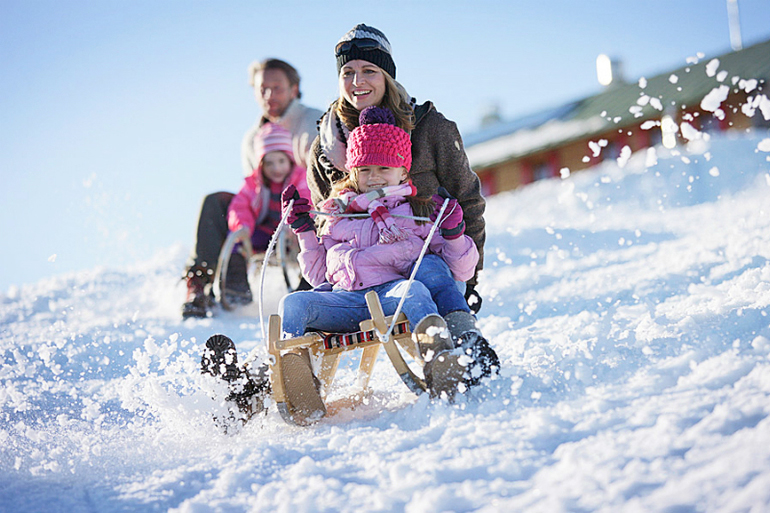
[(299, 217), (451, 224)]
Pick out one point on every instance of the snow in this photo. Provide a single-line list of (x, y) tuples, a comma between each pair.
[(629, 306), (714, 98)]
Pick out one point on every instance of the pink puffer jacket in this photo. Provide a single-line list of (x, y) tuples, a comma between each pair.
[(350, 255), (250, 206)]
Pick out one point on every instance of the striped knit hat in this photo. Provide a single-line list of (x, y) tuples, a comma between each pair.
[(272, 137), (368, 44), (377, 141)]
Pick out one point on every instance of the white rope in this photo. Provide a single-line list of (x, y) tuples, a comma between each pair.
[(364, 214), (386, 336), (268, 252)]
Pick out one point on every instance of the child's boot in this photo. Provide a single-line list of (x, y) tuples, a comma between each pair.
[(198, 301), (443, 370), (462, 326), (237, 288)]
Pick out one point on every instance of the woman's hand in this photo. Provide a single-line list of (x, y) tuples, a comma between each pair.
[(451, 224), (299, 217)]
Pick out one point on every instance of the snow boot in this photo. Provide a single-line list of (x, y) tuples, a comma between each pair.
[(303, 390), (237, 288), (198, 302), (484, 360), (248, 391), (443, 370)]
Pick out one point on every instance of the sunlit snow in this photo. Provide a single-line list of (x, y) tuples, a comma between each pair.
[(629, 306)]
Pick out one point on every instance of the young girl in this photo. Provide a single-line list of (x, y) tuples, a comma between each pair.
[(375, 252), (257, 206)]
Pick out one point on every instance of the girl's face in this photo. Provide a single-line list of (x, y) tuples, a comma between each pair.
[(276, 166), (362, 84), (370, 178)]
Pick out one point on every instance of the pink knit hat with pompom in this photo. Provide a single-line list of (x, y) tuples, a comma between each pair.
[(272, 137), (378, 141)]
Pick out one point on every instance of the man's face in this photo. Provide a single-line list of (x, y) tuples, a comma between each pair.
[(274, 92)]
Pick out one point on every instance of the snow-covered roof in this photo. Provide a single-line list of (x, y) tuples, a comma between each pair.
[(700, 82), (525, 141)]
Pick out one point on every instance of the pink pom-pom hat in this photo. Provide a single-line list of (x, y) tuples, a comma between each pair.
[(378, 141)]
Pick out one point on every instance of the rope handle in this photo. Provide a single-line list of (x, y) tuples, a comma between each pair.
[(268, 253), (386, 336)]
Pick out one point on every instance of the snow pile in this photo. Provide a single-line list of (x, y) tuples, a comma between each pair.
[(629, 306)]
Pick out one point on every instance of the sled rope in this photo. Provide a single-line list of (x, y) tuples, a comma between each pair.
[(384, 337), (268, 252), (364, 214)]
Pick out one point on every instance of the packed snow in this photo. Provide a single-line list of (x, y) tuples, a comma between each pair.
[(628, 303)]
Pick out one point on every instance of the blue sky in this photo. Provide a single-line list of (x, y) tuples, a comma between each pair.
[(117, 117)]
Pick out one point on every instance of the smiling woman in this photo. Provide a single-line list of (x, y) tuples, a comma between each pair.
[(438, 165)]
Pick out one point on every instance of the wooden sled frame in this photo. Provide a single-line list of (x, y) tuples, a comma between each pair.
[(322, 346), (285, 257)]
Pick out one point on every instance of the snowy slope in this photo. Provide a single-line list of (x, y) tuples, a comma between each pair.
[(629, 305)]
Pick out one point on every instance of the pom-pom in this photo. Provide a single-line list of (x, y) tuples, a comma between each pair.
[(374, 115)]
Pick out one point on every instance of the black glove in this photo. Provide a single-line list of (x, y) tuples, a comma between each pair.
[(472, 298)]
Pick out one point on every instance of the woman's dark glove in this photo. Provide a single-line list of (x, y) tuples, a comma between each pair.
[(451, 224), (472, 298), (299, 217)]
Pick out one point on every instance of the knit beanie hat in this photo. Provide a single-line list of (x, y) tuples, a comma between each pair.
[(368, 44), (272, 137), (377, 141)]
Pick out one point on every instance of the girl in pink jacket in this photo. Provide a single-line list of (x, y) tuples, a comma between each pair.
[(376, 249), (257, 206)]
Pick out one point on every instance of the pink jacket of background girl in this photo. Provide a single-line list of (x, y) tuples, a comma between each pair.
[(350, 255), (250, 206)]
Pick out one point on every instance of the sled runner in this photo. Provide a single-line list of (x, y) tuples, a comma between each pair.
[(298, 391), (285, 256)]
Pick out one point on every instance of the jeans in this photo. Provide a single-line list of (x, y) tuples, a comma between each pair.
[(447, 294), (340, 311)]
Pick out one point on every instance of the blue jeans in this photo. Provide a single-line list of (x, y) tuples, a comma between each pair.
[(340, 311), (447, 294)]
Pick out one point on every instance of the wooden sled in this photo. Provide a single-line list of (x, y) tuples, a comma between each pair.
[(285, 257), (328, 348)]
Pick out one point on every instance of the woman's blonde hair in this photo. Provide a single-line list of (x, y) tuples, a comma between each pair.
[(395, 98), (421, 207)]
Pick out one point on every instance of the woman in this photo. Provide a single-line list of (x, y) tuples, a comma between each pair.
[(367, 75)]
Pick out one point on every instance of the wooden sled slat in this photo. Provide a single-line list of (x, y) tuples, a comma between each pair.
[(328, 348)]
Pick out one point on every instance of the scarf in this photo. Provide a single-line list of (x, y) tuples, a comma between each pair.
[(351, 202)]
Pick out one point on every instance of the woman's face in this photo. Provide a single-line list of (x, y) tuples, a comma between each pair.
[(370, 178), (362, 84), (276, 166)]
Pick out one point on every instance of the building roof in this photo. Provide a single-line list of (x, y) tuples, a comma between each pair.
[(700, 83)]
